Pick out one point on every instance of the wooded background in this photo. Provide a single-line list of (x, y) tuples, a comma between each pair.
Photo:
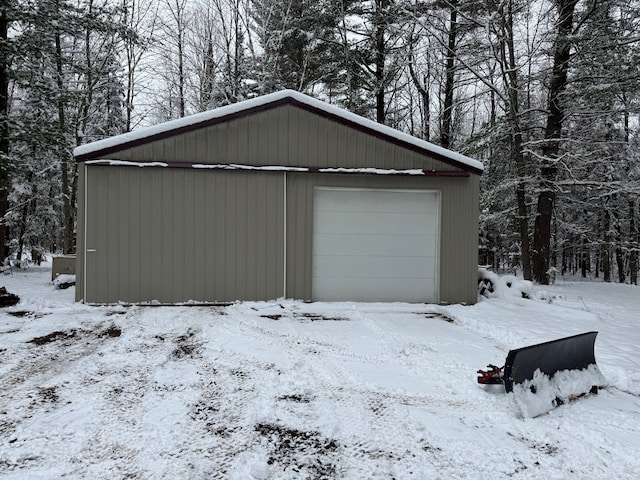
[(544, 93)]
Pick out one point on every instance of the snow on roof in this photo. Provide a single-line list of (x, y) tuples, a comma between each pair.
[(276, 168), (138, 136)]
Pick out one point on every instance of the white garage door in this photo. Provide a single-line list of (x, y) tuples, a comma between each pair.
[(375, 245)]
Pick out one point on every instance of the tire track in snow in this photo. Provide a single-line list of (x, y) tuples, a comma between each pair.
[(346, 401)]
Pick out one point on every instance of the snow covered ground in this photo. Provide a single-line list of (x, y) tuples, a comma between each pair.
[(290, 390)]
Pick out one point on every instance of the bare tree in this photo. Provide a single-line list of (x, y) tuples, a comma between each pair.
[(4, 124), (551, 147), (171, 48), (140, 17)]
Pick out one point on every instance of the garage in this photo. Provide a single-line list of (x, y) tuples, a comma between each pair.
[(281, 196), (375, 244)]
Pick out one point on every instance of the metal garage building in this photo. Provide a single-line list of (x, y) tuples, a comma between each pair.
[(278, 196)]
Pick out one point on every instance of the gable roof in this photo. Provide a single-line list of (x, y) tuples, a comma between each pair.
[(108, 146)]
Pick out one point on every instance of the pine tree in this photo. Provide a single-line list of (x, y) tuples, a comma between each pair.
[(298, 39), (67, 91)]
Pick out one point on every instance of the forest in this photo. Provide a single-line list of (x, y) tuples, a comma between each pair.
[(546, 93)]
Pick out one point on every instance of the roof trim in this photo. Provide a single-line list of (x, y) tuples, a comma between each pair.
[(111, 145), (279, 168)]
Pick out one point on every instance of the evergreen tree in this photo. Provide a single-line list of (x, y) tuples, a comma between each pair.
[(298, 39), (66, 91)]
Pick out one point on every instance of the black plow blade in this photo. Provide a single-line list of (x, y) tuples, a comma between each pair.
[(549, 374)]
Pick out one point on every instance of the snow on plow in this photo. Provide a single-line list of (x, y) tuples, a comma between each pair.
[(548, 374)]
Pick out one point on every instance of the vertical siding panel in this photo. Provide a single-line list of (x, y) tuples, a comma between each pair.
[(284, 139), (229, 213), (196, 221), (381, 151), (156, 249), (131, 218), (144, 230), (342, 148), (219, 147), (232, 145), (243, 202), (166, 231), (190, 146), (96, 241), (351, 150), (311, 143), (80, 230), (122, 277), (292, 139), (253, 235), (203, 212), (301, 139), (177, 224), (110, 234), (270, 240), (299, 218), (458, 253), (250, 137), (188, 234), (271, 225), (256, 256), (271, 144), (332, 157), (243, 134)]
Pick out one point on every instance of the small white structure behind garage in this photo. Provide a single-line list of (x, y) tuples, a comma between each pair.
[(280, 196)]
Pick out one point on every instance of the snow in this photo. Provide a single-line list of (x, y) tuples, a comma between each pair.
[(64, 279), (375, 171), (235, 166), (126, 163), (239, 107), (267, 168), (289, 390), (564, 385)]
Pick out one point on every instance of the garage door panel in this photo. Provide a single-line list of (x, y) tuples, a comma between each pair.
[(378, 201), (361, 244), (373, 223), (369, 290), (375, 245), (374, 266)]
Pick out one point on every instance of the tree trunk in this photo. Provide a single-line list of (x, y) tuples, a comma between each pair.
[(67, 205), (633, 237), (551, 146), (583, 260), (618, 251), (380, 55), (4, 129), (510, 76), (606, 247), (423, 89), (447, 111)]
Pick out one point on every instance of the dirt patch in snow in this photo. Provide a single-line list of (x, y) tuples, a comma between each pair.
[(25, 313), (305, 453), (53, 337)]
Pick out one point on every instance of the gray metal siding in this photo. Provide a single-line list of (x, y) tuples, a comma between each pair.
[(176, 235), (458, 228), (80, 231), (286, 135)]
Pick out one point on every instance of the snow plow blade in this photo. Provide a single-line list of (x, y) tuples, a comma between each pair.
[(570, 353), (546, 375)]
